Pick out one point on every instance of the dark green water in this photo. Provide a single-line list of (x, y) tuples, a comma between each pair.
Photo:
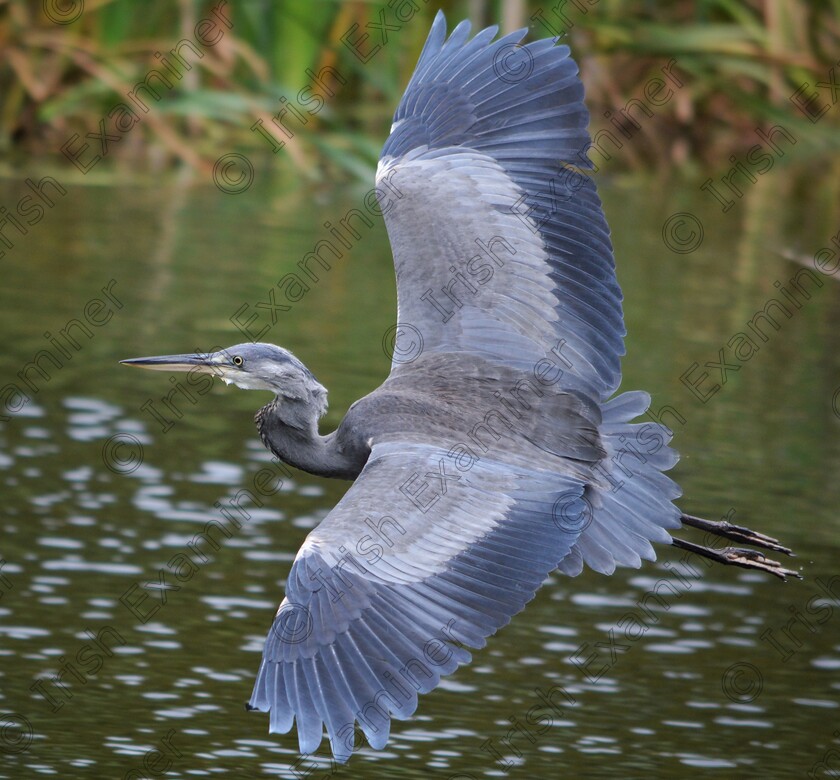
[(97, 498)]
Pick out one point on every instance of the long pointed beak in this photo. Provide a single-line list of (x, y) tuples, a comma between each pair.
[(203, 363)]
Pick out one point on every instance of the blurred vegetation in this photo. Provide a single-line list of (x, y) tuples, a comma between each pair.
[(69, 63)]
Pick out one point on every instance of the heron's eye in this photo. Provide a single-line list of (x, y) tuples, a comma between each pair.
[(237, 361)]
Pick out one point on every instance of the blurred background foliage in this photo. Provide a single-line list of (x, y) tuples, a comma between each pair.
[(68, 63)]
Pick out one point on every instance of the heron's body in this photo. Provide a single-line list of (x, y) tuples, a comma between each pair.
[(496, 451), (487, 408)]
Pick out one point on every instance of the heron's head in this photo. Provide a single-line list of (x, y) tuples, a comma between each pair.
[(251, 367)]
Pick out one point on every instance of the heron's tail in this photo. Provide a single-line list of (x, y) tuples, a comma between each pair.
[(633, 507)]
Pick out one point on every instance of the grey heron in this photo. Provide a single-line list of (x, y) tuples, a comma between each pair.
[(496, 451)]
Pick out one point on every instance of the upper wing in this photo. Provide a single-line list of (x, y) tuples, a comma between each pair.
[(500, 245), (379, 607)]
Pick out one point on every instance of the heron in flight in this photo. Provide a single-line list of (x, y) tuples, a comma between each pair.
[(496, 451)]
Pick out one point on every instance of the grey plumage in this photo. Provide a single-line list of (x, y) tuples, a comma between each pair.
[(493, 456)]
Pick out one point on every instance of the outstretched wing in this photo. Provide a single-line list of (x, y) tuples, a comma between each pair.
[(379, 607), (500, 243)]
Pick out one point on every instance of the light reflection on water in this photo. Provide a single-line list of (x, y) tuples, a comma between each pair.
[(654, 691)]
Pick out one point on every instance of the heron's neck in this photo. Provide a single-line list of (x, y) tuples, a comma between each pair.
[(290, 430)]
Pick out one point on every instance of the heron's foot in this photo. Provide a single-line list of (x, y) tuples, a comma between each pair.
[(736, 532), (740, 556)]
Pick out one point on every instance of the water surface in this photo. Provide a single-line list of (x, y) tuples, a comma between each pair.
[(100, 495)]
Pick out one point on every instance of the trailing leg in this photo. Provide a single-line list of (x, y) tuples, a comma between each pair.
[(737, 556), (735, 532)]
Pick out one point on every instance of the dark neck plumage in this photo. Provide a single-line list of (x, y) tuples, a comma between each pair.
[(289, 428)]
